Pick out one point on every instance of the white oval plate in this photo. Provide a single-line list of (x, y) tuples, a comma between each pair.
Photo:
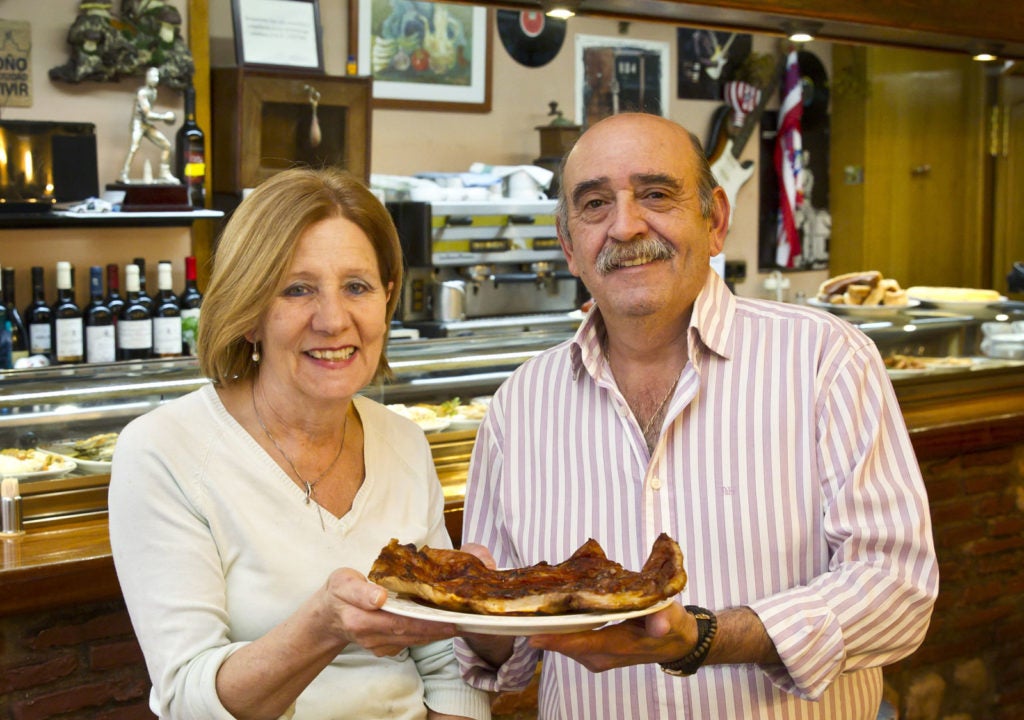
[(458, 422), (867, 311), (514, 624), (86, 466), (436, 425), (62, 466), (962, 307)]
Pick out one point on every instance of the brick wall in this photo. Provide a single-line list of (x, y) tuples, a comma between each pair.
[(971, 664), (79, 663)]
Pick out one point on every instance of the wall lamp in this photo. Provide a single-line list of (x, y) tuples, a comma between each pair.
[(801, 31), (987, 54), (561, 9)]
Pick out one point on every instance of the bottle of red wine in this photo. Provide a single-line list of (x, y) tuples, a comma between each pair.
[(99, 322), (144, 296), (68, 336), (39, 318), (190, 152), (190, 301), (19, 335), (135, 322), (114, 301), (166, 315)]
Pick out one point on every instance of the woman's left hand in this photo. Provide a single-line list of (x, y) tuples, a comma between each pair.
[(354, 603)]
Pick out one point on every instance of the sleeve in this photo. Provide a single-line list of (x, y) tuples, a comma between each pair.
[(444, 690), (483, 524), (177, 605), (873, 605)]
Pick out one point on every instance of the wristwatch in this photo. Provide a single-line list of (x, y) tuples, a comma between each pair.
[(707, 626)]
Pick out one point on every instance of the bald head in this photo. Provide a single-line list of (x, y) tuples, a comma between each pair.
[(630, 136)]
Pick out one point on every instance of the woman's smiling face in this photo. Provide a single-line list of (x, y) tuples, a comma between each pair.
[(323, 333)]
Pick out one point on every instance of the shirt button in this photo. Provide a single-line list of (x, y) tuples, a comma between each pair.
[(655, 483)]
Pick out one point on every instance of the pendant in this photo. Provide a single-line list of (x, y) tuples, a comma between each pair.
[(309, 491)]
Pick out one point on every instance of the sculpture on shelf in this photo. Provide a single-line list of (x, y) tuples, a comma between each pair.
[(108, 48), (144, 119), (99, 50)]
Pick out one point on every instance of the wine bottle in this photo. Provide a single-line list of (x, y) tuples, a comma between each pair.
[(99, 322), (190, 152), (135, 322), (190, 301), (39, 317), (144, 297), (6, 362), (19, 335), (114, 301), (166, 315), (68, 338)]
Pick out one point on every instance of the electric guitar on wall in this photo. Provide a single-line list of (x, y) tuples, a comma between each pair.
[(724, 152)]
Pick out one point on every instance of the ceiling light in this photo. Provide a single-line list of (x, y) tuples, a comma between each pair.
[(986, 52), (984, 57), (801, 31), (560, 9)]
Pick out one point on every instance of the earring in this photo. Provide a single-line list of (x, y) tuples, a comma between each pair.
[(256, 354)]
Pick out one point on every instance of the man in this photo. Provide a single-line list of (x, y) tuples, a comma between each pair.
[(766, 438), (143, 119)]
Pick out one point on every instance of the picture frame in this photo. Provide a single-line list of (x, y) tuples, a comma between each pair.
[(619, 75), (416, 66), (278, 35)]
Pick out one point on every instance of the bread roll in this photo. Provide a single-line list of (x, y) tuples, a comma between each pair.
[(840, 283)]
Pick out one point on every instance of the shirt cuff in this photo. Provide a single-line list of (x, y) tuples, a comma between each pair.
[(515, 674), (808, 638)]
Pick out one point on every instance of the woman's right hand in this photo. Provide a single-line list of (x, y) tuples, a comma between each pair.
[(353, 608)]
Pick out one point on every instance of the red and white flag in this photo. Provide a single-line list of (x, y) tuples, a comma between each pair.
[(789, 164)]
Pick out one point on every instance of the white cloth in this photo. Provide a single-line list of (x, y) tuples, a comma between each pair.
[(214, 546)]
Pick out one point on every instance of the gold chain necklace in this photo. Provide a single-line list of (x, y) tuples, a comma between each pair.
[(661, 407), (310, 487)]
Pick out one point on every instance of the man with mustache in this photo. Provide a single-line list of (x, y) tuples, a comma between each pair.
[(766, 438)]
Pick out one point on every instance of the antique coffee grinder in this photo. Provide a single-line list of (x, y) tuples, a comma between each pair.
[(556, 139)]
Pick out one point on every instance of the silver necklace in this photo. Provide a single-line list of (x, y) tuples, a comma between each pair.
[(310, 487)]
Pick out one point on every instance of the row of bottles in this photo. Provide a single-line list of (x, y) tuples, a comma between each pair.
[(110, 326)]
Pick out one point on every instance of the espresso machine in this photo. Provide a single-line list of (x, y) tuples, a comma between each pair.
[(483, 268)]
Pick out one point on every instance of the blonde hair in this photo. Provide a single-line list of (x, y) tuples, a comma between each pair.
[(256, 249)]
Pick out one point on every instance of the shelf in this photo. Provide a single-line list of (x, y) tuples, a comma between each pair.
[(62, 218)]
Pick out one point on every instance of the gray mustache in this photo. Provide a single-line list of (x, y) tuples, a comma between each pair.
[(616, 255)]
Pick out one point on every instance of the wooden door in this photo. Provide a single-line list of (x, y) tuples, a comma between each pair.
[(917, 127), (1008, 150)]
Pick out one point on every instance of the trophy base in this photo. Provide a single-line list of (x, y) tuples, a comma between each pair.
[(153, 197)]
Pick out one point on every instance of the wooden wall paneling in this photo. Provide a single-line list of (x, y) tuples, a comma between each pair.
[(203, 231), (1008, 240)]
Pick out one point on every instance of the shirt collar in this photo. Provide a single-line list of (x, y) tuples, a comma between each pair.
[(710, 327)]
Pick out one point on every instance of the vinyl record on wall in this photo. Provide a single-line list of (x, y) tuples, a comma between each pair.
[(815, 89), (530, 37)]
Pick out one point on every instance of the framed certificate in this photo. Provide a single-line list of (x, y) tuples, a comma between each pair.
[(279, 34)]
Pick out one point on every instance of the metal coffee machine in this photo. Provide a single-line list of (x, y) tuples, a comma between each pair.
[(475, 268)]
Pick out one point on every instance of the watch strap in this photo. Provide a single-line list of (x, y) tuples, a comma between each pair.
[(707, 628)]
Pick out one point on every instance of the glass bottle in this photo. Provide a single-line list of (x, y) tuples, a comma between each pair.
[(68, 336), (5, 338), (144, 297), (166, 315), (99, 322), (19, 334), (190, 301), (114, 300), (39, 317), (190, 153), (135, 322)]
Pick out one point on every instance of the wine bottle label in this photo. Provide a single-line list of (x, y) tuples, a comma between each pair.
[(40, 339), (195, 169), (135, 334), (189, 329), (167, 336), (69, 339), (99, 343)]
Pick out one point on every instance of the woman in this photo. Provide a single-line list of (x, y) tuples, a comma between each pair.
[(233, 508)]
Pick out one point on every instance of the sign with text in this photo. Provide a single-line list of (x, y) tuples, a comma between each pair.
[(15, 63)]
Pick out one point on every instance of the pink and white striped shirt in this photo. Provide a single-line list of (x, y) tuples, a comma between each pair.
[(784, 470)]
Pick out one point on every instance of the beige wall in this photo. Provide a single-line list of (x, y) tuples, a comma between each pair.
[(404, 142)]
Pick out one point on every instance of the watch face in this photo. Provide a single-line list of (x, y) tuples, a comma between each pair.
[(530, 38)]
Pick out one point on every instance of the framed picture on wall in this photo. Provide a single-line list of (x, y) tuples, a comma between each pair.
[(424, 55), (278, 34), (616, 75)]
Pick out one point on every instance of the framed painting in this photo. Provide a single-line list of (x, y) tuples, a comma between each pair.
[(616, 75), (278, 34), (424, 55)]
